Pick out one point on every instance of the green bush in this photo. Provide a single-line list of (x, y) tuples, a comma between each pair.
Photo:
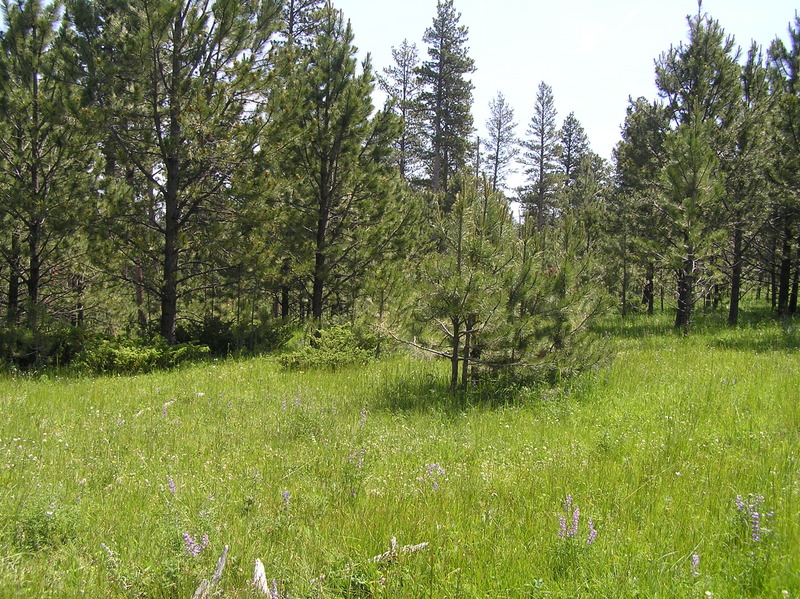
[(223, 337), (26, 349), (331, 348), (125, 356)]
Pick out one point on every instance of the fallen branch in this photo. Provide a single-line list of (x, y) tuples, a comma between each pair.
[(205, 588)]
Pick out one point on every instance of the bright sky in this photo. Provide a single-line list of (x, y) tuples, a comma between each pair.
[(593, 53)]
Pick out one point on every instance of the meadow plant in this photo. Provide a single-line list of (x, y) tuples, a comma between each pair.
[(192, 546), (751, 514), (695, 565), (434, 470)]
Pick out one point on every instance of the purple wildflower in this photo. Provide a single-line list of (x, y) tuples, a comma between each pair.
[(750, 511), (695, 565), (568, 503), (274, 591), (363, 420), (562, 527), (592, 533), (435, 468), (755, 524), (192, 546), (171, 484), (286, 497), (575, 518)]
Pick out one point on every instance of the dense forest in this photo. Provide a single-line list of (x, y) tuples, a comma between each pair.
[(215, 174)]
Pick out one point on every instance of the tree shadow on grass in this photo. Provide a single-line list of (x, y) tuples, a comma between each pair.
[(431, 394), (758, 340)]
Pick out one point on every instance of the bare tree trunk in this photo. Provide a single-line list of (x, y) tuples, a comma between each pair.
[(15, 263), (455, 358), (785, 274), (736, 276)]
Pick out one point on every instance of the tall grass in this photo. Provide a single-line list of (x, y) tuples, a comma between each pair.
[(670, 449)]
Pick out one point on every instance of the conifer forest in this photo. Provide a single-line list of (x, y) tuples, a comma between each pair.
[(212, 177), (277, 322)]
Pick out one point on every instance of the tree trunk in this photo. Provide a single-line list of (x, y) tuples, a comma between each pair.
[(319, 267), (12, 307), (466, 353), (455, 358), (624, 285), (648, 291), (683, 314), (169, 289), (785, 279), (795, 282), (285, 271), (736, 276), (34, 273)]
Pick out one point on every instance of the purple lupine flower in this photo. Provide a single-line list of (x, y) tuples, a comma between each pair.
[(192, 546), (363, 420), (755, 524), (592, 533), (574, 528), (286, 497), (435, 468), (562, 527), (740, 505), (171, 484), (274, 591), (568, 503), (695, 565)]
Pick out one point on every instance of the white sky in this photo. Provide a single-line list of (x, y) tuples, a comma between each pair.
[(593, 53)]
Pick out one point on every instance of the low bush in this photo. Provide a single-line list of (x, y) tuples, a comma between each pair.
[(126, 356), (331, 348), (224, 337)]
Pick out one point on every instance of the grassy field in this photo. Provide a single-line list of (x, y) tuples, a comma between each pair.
[(671, 471)]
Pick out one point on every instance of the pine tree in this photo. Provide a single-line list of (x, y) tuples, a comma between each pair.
[(541, 158), (745, 167), (190, 118), (634, 230), (402, 86), (701, 86), (785, 81), (574, 146), (300, 20), (47, 157), (501, 143), (447, 95), (339, 160)]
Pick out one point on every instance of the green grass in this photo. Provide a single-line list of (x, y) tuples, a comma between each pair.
[(654, 447)]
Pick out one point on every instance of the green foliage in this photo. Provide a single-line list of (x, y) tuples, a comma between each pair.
[(224, 336), (127, 356), (23, 348), (41, 527), (332, 348)]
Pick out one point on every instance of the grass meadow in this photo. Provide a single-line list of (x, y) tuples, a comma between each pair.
[(673, 470)]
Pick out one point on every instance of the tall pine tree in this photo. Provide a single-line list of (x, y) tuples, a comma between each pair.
[(541, 158), (447, 95), (501, 144)]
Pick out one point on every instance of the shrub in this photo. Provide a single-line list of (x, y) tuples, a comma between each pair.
[(224, 336), (125, 356), (331, 348)]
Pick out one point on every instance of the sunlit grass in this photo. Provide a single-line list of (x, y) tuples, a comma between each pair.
[(314, 473)]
